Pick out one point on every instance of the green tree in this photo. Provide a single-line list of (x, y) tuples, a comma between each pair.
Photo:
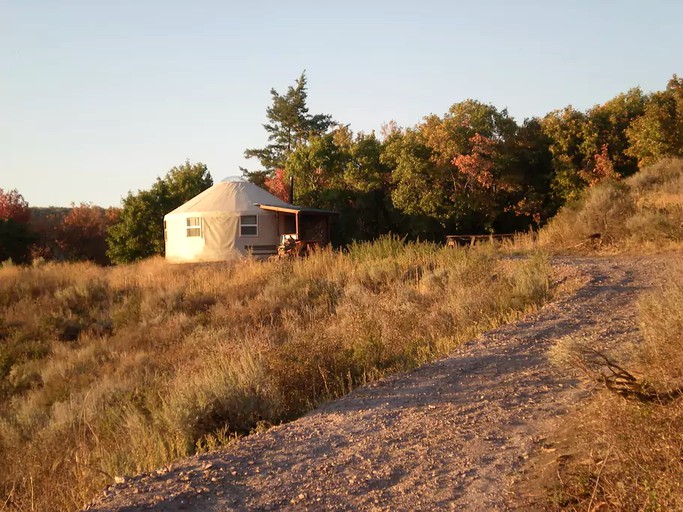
[(338, 160), (139, 231), (451, 135), (419, 186), (659, 131), (566, 131), (583, 143), (364, 170), (453, 169), (606, 126), (343, 172), (317, 165), (289, 125), (533, 162)]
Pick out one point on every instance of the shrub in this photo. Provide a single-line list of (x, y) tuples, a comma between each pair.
[(645, 208), (629, 451), (110, 371)]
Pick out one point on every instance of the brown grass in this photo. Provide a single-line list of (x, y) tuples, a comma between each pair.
[(625, 450), (629, 452), (107, 372), (642, 213)]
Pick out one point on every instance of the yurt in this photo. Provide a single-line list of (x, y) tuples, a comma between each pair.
[(222, 223), (234, 218)]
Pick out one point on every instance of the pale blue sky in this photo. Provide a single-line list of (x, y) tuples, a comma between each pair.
[(98, 98)]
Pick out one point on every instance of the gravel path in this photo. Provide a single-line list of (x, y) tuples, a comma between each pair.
[(450, 435)]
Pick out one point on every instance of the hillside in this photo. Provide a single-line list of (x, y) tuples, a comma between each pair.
[(534, 415), (641, 213), (452, 434), (106, 372), (111, 372)]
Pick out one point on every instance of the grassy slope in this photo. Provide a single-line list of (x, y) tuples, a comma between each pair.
[(627, 454), (113, 371), (643, 212), (630, 452)]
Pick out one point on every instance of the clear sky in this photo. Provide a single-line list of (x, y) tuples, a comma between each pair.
[(98, 98)]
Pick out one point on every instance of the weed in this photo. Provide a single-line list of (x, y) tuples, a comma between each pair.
[(107, 372), (632, 442), (645, 211)]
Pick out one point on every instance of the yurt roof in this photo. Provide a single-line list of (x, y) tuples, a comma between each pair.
[(230, 196)]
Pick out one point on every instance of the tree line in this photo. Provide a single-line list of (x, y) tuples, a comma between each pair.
[(88, 232), (473, 169)]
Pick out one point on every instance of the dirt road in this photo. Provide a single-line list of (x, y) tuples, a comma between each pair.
[(450, 435)]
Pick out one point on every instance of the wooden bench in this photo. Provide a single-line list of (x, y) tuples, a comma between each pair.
[(453, 240)]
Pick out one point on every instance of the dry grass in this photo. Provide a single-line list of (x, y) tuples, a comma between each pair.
[(626, 447), (643, 213), (107, 372), (630, 450)]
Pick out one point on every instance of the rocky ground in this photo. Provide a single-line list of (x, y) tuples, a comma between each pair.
[(456, 434)]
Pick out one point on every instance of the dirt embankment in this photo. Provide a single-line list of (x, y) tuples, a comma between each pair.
[(454, 434)]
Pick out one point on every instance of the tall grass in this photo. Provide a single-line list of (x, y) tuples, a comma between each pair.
[(630, 452), (643, 212), (627, 454), (108, 372)]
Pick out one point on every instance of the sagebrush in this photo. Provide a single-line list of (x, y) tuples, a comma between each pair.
[(630, 445), (644, 211), (112, 371)]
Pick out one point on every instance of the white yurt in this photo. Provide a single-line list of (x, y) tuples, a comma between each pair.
[(224, 222)]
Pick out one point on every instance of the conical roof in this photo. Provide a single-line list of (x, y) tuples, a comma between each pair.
[(230, 196)]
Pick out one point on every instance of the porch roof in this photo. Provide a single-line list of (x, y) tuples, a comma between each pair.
[(295, 209)]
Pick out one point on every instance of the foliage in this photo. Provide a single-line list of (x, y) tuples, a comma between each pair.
[(530, 164), (564, 129), (138, 232), (46, 225), (472, 170), (658, 133), (603, 170), (583, 142), (14, 207), (606, 128), (111, 371), (645, 209), (15, 237), (289, 126), (341, 171), (15, 241), (277, 185), (82, 235), (468, 169)]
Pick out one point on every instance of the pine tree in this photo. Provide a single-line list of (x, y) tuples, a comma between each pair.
[(289, 126)]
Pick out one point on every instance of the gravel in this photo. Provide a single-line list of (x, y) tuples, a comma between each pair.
[(454, 434)]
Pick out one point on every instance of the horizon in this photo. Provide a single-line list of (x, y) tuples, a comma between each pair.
[(102, 100)]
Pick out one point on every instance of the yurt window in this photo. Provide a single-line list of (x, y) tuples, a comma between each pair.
[(194, 226), (249, 225)]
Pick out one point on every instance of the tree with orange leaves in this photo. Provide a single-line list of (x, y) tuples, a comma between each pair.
[(603, 168), (14, 207), (477, 166), (15, 237), (82, 235), (277, 185)]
